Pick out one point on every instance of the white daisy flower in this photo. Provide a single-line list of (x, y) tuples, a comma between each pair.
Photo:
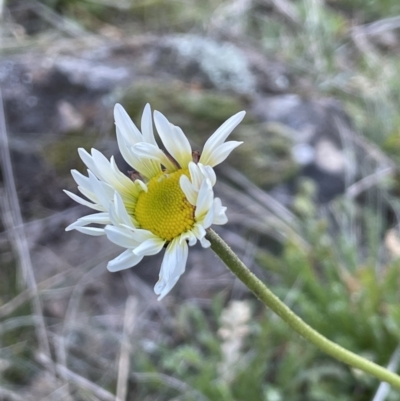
[(168, 200)]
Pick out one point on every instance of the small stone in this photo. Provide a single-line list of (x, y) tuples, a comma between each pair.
[(70, 119), (328, 157)]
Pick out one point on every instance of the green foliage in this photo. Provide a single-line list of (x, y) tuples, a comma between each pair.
[(62, 155)]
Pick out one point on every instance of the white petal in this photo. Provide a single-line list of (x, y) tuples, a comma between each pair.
[(89, 194), (149, 247), (152, 153), (101, 162), (188, 236), (219, 154), (172, 267), (181, 150), (173, 139), (142, 185), (196, 176), (125, 148), (146, 166), (103, 192), (199, 231), (110, 172), (84, 202), (208, 172), (121, 236), (120, 210), (80, 179), (114, 217), (90, 230), (204, 200), (220, 220), (125, 124), (88, 160), (219, 137), (123, 261), (219, 212), (141, 235), (71, 226), (97, 218), (128, 135), (147, 126), (122, 178), (188, 190), (208, 218), (205, 243)]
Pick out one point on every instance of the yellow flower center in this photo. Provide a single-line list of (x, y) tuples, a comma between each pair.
[(164, 209)]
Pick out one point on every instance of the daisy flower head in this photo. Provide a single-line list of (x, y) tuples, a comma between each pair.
[(167, 201)]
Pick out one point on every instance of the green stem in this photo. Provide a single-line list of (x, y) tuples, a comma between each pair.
[(268, 298)]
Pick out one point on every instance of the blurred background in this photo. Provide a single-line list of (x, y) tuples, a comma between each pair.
[(312, 196)]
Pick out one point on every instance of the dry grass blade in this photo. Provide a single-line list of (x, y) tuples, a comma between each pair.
[(81, 382), (354, 139), (287, 10), (263, 213), (84, 383), (1, 9), (119, 5), (12, 220), (262, 197), (70, 315), (26, 295), (123, 365), (381, 26), (62, 23), (16, 302), (360, 39), (368, 182), (17, 322)]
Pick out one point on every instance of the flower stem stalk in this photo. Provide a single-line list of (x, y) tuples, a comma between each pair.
[(240, 270)]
